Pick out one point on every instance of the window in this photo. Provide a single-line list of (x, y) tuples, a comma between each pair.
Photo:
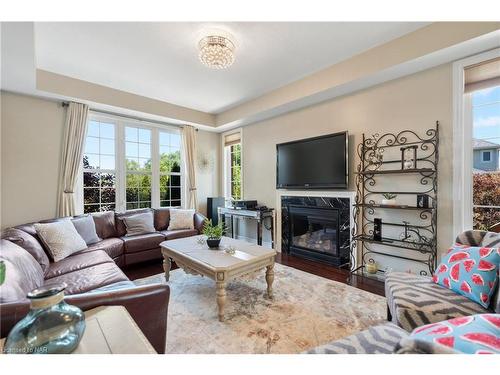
[(138, 167), (99, 173), (232, 166), (235, 152), (486, 172), (486, 155), (170, 168), (128, 165)]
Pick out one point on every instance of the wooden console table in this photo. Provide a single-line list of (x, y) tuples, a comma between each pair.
[(258, 215)]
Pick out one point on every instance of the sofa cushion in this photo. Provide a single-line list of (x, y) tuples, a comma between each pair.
[(476, 334), (28, 243), (112, 246), (121, 229), (85, 226), (162, 218), (470, 271), (381, 339), (181, 233), (89, 278), (22, 272), (415, 300), (139, 224), (181, 219), (61, 238), (105, 224), (142, 242), (77, 262)]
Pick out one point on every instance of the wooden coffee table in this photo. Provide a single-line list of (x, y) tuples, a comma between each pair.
[(197, 259)]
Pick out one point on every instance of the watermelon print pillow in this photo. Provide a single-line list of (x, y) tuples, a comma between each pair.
[(470, 271), (476, 334)]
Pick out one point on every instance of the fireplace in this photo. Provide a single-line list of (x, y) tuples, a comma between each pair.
[(316, 228)]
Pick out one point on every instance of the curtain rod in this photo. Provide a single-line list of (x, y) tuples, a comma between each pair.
[(65, 104)]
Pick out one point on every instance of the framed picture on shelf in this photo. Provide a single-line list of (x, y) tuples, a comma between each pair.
[(409, 157), (422, 201)]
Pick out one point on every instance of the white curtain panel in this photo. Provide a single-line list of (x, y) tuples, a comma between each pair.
[(189, 143), (75, 131)]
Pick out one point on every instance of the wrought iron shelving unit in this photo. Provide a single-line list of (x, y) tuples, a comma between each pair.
[(417, 239)]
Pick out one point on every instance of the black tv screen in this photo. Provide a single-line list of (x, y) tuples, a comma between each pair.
[(313, 163)]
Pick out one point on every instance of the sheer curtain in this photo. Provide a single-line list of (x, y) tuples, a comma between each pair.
[(189, 143), (74, 140)]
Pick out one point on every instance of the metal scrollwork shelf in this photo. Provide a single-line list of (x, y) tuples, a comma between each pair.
[(417, 237)]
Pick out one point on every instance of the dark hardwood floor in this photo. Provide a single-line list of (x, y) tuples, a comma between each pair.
[(146, 269)]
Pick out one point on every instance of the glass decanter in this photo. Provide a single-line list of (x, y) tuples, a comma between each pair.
[(51, 326)]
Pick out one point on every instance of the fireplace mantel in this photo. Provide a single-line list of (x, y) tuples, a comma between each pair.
[(351, 195)]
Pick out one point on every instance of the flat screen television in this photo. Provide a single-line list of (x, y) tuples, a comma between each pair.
[(313, 163)]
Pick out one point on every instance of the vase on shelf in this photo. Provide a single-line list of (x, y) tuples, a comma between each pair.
[(51, 327)]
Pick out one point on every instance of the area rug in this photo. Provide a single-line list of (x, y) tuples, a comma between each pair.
[(306, 311)]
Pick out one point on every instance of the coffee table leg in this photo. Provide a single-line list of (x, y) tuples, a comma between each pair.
[(167, 265), (269, 280), (221, 299)]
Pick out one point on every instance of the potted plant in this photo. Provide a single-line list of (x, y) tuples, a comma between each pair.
[(389, 199), (214, 233)]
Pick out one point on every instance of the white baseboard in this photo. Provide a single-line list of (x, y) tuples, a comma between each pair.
[(253, 240)]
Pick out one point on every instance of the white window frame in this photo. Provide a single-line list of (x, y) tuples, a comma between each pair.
[(462, 143), (486, 152), (120, 166), (226, 165)]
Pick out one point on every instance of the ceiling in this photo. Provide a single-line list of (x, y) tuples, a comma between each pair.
[(160, 61)]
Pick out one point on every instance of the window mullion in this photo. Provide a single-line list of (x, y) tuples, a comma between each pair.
[(155, 169), (120, 179)]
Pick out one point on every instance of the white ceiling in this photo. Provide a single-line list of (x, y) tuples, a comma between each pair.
[(160, 60)]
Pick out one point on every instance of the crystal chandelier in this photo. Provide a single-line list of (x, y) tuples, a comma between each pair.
[(216, 52)]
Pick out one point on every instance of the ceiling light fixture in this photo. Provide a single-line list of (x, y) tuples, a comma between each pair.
[(216, 51)]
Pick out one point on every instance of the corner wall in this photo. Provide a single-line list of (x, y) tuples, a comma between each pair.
[(31, 141), (414, 102)]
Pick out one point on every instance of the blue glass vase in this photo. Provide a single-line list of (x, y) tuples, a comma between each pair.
[(52, 326)]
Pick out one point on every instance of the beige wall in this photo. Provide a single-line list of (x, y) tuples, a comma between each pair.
[(414, 102), (32, 131), (31, 147), (207, 179)]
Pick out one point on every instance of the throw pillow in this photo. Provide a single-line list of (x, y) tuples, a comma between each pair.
[(28, 243), (139, 224), (181, 219), (476, 334), (470, 271), (22, 272), (85, 227), (61, 238)]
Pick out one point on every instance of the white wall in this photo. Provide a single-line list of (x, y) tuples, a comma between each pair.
[(31, 139)]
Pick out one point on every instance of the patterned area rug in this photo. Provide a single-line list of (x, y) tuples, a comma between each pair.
[(307, 311)]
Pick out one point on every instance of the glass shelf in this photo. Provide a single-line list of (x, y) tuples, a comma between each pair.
[(393, 242), (396, 206)]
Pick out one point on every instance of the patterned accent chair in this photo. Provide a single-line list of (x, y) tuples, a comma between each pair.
[(381, 339), (414, 300)]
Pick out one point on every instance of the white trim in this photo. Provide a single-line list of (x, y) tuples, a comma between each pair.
[(306, 193), (462, 143)]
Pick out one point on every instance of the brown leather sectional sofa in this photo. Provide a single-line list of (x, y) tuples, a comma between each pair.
[(93, 276)]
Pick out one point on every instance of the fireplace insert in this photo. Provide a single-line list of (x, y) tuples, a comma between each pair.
[(317, 231)]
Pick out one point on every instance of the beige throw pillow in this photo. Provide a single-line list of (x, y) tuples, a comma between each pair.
[(181, 219), (61, 238), (139, 224)]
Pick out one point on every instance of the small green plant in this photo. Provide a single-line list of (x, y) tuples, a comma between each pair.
[(213, 231), (389, 196)]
